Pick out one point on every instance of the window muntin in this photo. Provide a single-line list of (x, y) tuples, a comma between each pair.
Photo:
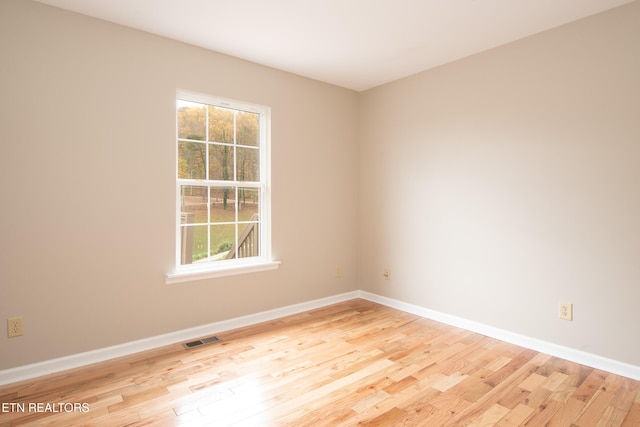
[(222, 172)]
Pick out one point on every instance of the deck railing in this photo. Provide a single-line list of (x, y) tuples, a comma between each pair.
[(186, 238), (248, 241)]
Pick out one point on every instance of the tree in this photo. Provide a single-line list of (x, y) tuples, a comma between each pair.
[(227, 133), (247, 161), (221, 132), (191, 155)]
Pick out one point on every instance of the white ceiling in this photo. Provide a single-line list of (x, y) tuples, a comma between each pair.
[(356, 44)]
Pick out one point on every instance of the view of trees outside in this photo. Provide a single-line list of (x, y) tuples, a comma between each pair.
[(215, 146)]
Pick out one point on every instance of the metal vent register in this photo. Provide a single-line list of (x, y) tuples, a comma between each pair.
[(202, 341)]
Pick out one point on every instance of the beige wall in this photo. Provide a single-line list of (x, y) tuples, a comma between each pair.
[(496, 186), (87, 165), (493, 187)]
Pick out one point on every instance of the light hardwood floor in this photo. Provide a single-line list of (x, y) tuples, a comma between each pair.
[(353, 363)]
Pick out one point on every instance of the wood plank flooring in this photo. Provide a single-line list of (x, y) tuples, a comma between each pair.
[(353, 363)]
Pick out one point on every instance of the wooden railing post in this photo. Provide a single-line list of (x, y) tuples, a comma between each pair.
[(248, 241), (186, 238)]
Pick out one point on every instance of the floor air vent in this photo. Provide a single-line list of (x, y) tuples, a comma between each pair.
[(200, 342)]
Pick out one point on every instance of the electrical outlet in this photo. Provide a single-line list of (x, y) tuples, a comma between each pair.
[(338, 271), (15, 327), (566, 311), (386, 274)]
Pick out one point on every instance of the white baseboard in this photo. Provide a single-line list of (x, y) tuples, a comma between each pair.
[(46, 367), (21, 373), (573, 355)]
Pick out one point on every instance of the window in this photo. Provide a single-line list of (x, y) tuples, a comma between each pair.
[(222, 208)]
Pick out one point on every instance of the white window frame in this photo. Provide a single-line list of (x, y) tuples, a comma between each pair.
[(190, 272)]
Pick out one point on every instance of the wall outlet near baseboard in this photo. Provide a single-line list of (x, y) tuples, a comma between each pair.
[(566, 311)]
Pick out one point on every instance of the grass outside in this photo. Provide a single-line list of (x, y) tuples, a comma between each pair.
[(222, 236)]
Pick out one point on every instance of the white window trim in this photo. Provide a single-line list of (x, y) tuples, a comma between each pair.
[(200, 274), (192, 272)]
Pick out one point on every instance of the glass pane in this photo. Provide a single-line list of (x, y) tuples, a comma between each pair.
[(248, 240), (220, 125), (191, 160), (193, 201), (247, 128), (223, 204), (248, 204), (192, 118), (223, 238), (248, 164), (220, 162), (193, 243)]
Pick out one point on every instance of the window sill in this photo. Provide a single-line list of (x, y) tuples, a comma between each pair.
[(192, 275)]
